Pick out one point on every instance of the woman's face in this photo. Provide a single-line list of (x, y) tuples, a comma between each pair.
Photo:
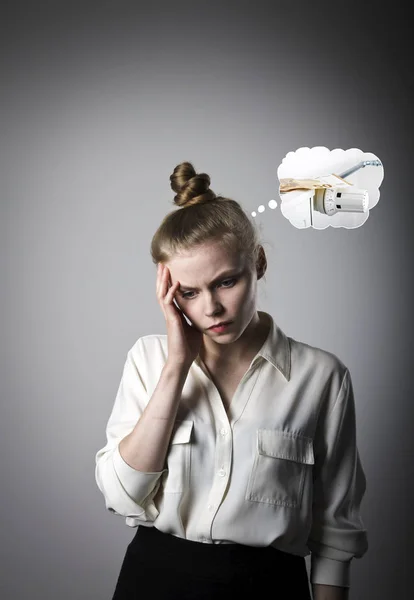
[(215, 286)]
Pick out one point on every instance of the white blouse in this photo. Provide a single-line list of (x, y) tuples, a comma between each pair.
[(282, 468)]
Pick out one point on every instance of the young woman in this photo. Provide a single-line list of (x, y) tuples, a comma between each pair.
[(232, 449)]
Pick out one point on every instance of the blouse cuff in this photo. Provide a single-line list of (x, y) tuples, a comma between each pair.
[(328, 571)]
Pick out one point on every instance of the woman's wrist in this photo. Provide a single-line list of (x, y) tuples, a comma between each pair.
[(329, 592)]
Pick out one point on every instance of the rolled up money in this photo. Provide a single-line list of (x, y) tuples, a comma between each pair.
[(289, 184)]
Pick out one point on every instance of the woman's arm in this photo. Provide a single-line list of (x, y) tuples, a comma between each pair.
[(145, 447), (329, 592), (337, 534)]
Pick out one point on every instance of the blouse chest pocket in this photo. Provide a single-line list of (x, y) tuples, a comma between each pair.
[(282, 463), (178, 459)]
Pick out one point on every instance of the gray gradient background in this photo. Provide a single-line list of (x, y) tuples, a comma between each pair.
[(100, 101)]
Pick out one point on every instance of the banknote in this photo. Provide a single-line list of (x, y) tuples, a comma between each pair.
[(289, 184)]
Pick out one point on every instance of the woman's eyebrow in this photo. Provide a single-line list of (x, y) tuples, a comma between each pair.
[(221, 276)]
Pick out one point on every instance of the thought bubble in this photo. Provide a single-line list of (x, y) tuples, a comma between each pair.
[(321, 187)]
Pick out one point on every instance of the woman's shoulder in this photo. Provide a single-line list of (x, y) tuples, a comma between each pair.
[(314, 356), (149, 341), (151, 347)]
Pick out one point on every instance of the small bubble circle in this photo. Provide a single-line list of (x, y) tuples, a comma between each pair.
[(271, 204)]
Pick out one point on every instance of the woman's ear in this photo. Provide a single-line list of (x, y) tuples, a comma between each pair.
[(261, 263)]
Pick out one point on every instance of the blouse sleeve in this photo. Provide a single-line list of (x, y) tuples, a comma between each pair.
[(127, 492), (337, 534)]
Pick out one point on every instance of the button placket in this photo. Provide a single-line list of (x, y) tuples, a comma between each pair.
[(223, 457)]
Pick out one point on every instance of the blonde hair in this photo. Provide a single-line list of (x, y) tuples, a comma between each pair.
[(204, 218)]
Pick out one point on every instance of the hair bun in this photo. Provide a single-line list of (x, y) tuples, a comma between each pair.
[(190, 187)]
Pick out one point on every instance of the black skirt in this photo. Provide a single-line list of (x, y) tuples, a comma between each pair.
[(160, 566)]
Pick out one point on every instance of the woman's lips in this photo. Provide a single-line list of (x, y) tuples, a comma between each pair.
[(221, 327)]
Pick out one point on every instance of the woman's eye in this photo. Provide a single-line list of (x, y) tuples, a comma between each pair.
[(227, 280), (186, 296)]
